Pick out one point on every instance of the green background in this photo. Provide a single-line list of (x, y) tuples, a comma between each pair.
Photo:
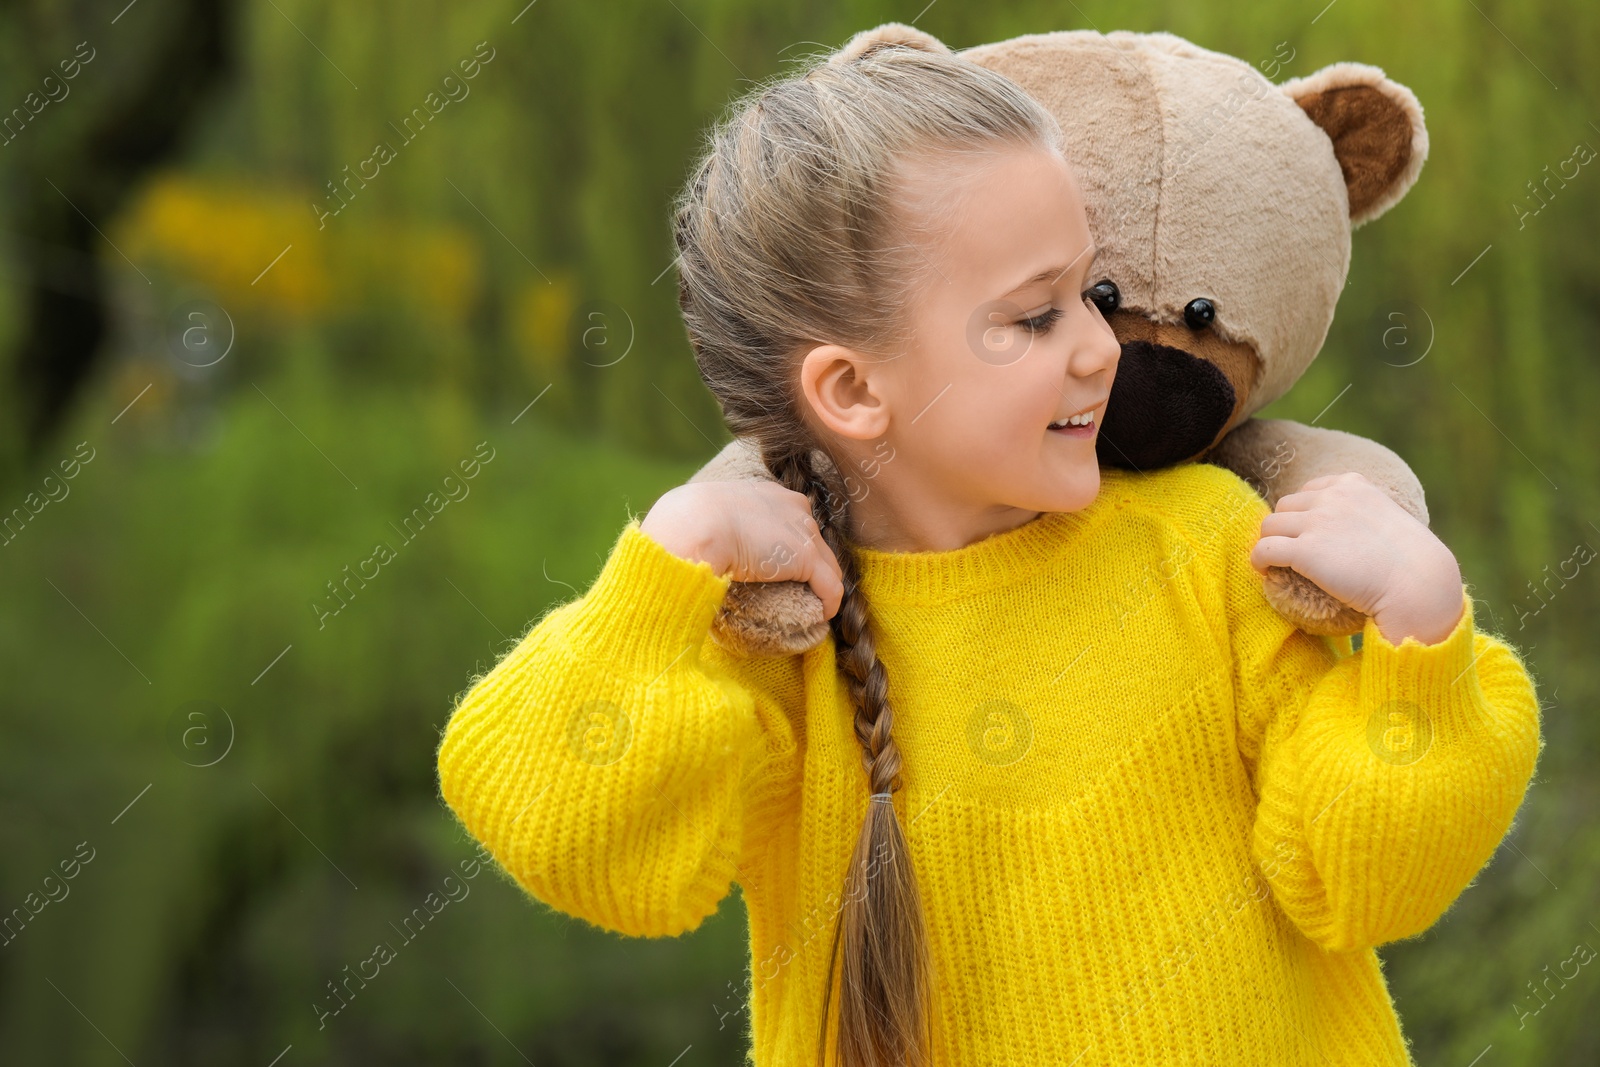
[(515, 252)]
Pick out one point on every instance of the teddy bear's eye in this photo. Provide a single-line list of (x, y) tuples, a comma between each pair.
[(1105, 295), (1199, 313)]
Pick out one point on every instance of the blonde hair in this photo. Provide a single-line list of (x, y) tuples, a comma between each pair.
[(788, 235)]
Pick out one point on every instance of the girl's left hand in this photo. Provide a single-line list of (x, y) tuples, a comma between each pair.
[(1361, 547)]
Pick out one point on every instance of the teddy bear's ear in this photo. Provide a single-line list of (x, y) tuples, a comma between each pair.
[(1376, 128)]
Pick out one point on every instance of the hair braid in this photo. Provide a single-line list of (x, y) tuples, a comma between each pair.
[(854, 645), (882, 915)]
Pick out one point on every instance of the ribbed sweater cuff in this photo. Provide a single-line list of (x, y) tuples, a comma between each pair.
[(1436, 677), (648, 608)]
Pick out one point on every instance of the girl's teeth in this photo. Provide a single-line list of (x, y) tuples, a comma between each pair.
[(1075, 420)]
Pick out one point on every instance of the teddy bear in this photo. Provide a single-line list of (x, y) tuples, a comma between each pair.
[(1224, 205)]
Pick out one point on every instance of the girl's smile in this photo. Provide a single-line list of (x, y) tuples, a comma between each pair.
[(1085, 425)]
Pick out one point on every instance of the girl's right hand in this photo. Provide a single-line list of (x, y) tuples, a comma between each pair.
[(750, 531)]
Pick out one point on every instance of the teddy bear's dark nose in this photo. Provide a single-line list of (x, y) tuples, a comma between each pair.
[(1166, 406)]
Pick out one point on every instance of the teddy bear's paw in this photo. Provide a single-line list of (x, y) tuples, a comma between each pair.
[(769, 619), (1304, 603)]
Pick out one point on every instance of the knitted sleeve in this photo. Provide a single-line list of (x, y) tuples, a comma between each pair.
[(600, 761), (1385, 779)]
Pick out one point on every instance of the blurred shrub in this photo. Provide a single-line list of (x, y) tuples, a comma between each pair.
[(259, 253)]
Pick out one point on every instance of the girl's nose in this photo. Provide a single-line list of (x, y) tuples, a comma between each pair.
[(1098, 350), (1110, 350)]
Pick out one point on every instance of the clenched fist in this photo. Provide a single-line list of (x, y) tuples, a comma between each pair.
[(1352, 539), (749, 530)]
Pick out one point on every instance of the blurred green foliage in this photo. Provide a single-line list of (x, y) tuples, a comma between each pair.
[(516, 252)]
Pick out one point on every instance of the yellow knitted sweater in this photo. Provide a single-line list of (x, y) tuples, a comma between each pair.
[(1151, 821)]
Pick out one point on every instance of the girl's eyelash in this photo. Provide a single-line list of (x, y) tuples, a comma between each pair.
[(1042, 322)]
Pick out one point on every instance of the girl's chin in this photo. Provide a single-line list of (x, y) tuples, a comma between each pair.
[(1080, 489)]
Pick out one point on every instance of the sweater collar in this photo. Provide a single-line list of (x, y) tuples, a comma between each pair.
[(931, 577)]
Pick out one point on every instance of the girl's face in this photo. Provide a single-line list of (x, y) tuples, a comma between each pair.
[(952, 440)]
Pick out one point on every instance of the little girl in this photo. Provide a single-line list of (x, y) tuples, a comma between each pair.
[(1061, 787)]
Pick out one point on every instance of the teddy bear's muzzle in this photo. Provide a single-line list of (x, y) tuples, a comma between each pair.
[(1166, 406)]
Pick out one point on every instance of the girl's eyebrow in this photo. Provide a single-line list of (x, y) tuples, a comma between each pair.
[(1053, 274)]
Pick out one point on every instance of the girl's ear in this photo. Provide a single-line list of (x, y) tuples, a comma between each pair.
[(1376, 128)]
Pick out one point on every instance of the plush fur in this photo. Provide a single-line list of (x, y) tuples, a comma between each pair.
[(1202, 179)]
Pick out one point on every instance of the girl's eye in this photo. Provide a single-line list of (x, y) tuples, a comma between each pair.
[(1042, 322)]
